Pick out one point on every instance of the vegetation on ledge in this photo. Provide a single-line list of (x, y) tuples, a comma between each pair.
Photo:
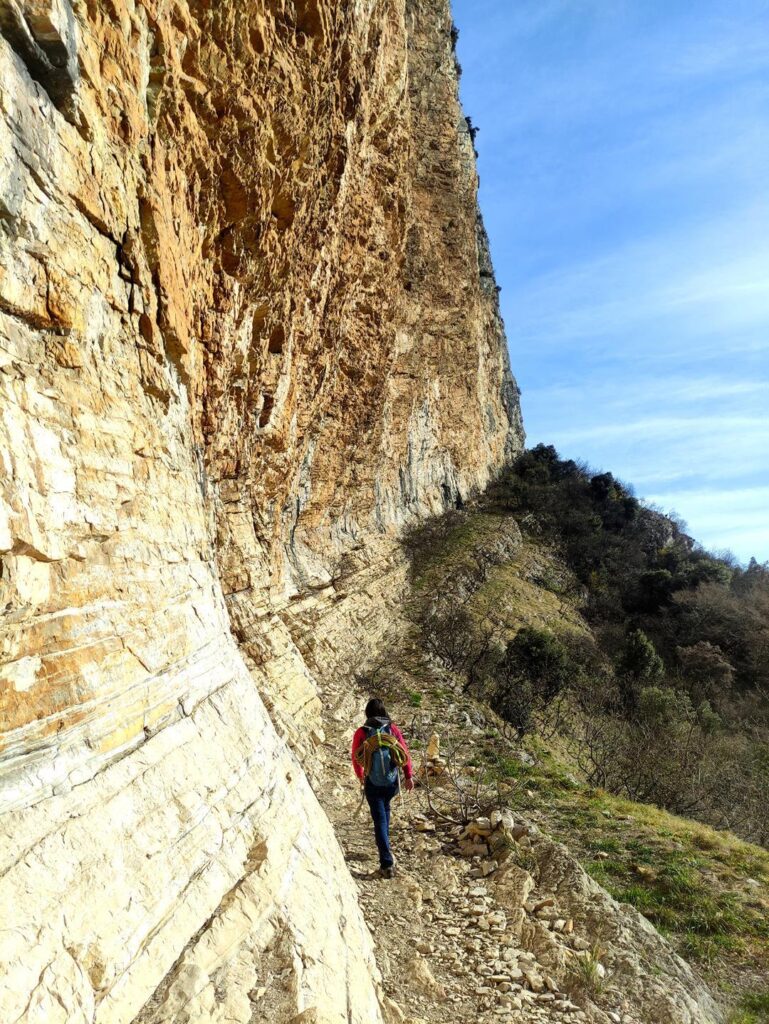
[(707, 891), (577, 612)]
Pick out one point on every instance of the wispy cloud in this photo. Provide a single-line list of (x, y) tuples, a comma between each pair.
[(666, 427), (711, 280), (742, 45), (733, 519), (624, 158), (649, 453), (659, 427)]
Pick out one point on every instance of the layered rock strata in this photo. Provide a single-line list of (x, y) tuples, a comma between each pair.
[(248, 333)]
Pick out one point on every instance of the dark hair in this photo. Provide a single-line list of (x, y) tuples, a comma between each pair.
[(376, 709)]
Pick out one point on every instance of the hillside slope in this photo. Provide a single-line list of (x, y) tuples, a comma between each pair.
[(478, 582)]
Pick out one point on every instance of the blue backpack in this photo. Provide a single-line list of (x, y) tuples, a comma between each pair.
[(383, 755)]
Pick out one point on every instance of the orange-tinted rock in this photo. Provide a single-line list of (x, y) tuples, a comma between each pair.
[(248, 333)]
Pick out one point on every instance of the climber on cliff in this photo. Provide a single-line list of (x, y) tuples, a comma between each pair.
[(379, 752)]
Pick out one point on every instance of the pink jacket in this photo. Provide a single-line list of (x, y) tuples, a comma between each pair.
[(360, 736)]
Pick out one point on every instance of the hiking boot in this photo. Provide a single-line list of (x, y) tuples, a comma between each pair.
[(387, 872)]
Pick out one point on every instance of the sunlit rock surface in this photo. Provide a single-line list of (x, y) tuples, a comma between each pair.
[(249, 331)]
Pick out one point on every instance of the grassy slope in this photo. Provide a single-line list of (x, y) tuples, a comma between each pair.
[(531, 589), (707, 891)]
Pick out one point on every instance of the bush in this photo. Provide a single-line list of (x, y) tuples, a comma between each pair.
[(706, 672), (534, 669), (451, 635), (514, 700), (653, 591), (650, 757), (539, 656), (639, 663), (447, 634)]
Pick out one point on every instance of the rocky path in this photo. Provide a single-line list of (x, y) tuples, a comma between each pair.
[(448, 938), (489, 921)]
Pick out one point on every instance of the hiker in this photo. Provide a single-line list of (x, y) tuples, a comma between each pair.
[(378, 752)]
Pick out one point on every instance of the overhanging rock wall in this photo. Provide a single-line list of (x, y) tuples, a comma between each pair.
[(248, 332)]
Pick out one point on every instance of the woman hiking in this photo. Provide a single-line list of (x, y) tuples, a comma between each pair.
[(378, 752)]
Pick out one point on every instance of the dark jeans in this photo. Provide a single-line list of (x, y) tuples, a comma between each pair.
[(379, 798)]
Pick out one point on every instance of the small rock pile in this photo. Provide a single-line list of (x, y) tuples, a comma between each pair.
[(489, 841)]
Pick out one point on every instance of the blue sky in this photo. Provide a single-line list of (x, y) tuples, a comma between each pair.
[(624, 163)]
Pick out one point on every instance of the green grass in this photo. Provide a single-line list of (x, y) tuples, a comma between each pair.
[(586, 977), (508, 593), (455, 547), (753, 1009), (685, 877), (511, 600)]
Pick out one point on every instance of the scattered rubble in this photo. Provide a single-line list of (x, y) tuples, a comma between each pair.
[(474, 930)]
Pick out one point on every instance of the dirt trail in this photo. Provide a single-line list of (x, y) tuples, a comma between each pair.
[(448, 943)]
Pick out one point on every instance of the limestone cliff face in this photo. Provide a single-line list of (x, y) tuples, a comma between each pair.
[(248, 332)]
